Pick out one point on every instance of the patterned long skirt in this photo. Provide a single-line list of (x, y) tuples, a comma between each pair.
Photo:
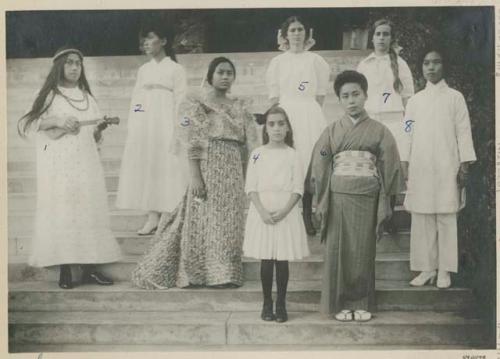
[(349, 267), (201, 242)]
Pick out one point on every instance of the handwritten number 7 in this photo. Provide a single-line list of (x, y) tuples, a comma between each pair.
[(386, 96)]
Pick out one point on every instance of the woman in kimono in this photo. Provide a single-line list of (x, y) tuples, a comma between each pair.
[(354, 169), (201, 243), (298, 80), (439, 150), (151, 177)]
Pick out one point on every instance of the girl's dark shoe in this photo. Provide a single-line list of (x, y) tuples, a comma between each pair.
[(267, 312), (96, 278), (65, 280), (281, 314)]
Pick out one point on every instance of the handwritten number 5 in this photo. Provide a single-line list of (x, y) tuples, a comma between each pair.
[(302, 85)]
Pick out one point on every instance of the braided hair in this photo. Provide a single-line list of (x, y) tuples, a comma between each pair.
[(397, 84)]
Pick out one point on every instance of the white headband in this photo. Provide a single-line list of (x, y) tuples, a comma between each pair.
[(66, 51)]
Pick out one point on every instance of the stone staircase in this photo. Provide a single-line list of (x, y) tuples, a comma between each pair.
[(43, 317)]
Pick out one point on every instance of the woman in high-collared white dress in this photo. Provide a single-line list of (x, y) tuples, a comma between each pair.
[(151, 177)]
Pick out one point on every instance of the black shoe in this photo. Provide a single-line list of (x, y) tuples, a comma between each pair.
[(65, 280), (281, 314), (96, 278), (267, 312)]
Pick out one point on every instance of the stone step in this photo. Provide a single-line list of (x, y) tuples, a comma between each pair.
[(21, 222), (74, 348), (27, 201), (24, 167), (241, 328), (388, 266), (302, 296), (29, 153), (131, 243), (122, 70)]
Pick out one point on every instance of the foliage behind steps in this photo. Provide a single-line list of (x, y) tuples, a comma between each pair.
[(467, 34)]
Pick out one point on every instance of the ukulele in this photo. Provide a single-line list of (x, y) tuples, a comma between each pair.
[(56, 133)]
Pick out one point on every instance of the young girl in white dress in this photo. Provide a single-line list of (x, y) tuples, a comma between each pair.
[(390, 85), (298, 80), (151, 178), (275, 230), (72, 221)]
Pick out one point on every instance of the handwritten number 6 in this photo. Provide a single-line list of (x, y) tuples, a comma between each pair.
[(185, 122)]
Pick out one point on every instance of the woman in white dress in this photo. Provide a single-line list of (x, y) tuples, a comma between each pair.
[(151, 177), (72, 224), (274, 229), (298, 80)]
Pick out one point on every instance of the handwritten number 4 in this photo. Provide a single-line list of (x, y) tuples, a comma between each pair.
[(255, 157), (302, 85)]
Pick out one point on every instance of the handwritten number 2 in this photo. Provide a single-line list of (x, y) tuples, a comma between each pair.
[(386, 96), (302, 85), (138, 108)]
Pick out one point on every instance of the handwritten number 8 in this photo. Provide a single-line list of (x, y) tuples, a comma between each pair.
[(408, 124)]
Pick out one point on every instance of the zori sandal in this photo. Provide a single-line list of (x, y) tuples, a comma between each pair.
[(344, 315), (362, 315)]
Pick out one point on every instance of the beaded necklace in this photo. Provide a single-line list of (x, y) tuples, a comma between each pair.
[(71, 101)]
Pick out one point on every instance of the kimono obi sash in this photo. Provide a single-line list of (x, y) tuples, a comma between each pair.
[(355, 163)]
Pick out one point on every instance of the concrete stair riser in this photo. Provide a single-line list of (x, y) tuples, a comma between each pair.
[(243, 329), (128, 221), (303, 296), (133, 244), (386, 268), (123, 328), (240, 329), (56, 348), (22, 168)]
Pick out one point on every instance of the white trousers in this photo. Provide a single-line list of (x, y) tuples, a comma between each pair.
[(433, 242)]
